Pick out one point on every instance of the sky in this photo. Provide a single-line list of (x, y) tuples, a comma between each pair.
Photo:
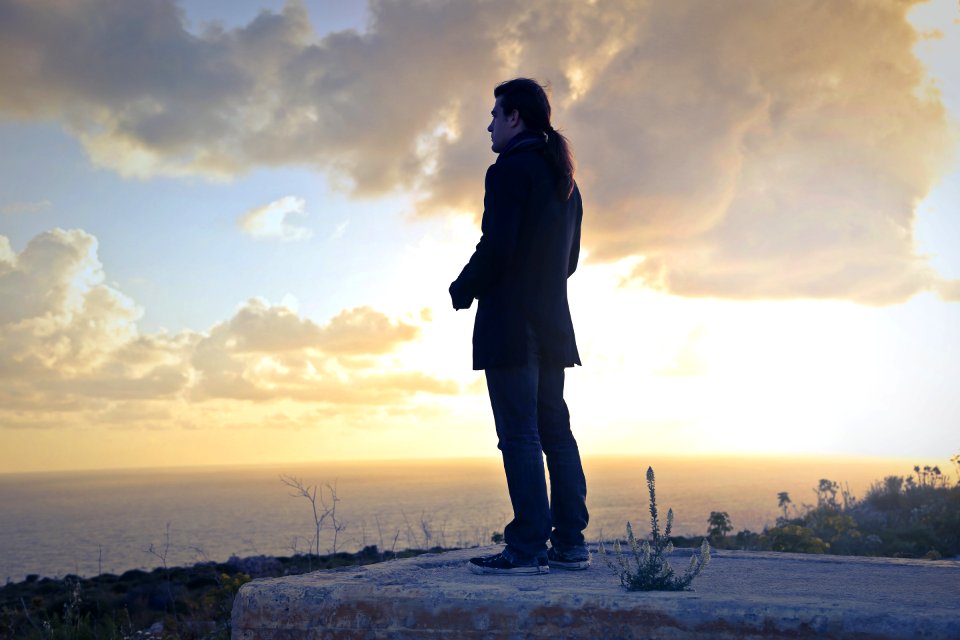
[(227, 229)]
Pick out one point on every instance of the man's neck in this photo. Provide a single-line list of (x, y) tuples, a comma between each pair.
[(522, 139)]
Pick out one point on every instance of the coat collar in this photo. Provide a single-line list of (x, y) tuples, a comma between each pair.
[(525, 140)]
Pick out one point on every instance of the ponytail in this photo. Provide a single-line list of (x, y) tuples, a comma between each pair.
[(561, 158), (528, 98)]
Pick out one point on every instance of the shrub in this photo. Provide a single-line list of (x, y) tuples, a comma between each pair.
[(793, 538), (649, 569), (900, 516)]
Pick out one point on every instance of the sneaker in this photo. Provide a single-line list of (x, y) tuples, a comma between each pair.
[(500, 564), (571, 560)]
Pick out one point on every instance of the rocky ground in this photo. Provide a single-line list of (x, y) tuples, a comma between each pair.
[(741, 594)]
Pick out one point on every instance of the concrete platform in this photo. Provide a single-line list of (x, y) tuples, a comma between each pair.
[(740, 595)]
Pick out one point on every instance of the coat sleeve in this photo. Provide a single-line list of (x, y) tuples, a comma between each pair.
[(506, 192), (575, 246)]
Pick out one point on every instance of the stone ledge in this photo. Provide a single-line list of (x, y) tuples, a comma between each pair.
[(740, 595)]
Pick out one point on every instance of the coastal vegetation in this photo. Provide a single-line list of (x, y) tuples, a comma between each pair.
[(167, 603), (912, 516)]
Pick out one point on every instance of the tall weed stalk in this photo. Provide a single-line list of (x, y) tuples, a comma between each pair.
[(648, 569)]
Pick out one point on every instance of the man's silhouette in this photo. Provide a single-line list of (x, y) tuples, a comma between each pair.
[(523, 335)]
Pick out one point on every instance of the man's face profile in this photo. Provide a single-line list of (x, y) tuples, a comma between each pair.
[(502, 127)]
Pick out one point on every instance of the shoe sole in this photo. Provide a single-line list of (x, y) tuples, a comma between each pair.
[(516, 571), (571, 566)]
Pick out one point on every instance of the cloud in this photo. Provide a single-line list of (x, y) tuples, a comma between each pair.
[(147, 97), (258, 326), (69, 343), (791, 172), (949, 290), (71, 351), (744, 150), (273, 220), (57, 311), (268, 352), (364, 330), (14, 208)]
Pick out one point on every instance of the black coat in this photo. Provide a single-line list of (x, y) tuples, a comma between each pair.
[(518, 273)]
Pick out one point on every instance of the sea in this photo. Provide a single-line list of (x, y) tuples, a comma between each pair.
[(91, 522)]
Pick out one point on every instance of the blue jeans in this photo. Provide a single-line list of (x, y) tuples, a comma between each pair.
[(532, 420)]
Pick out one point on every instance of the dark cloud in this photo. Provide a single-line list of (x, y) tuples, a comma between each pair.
[(745, 149), (783, 157)]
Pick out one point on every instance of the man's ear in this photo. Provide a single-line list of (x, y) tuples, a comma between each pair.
[(513, 119)]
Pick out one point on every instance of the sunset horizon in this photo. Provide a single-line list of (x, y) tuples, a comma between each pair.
[(327, 467)]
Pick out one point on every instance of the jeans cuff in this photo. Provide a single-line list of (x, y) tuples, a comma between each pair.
[(520, 558), (576, 549)]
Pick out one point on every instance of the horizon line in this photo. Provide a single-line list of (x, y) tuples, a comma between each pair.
[(183, 468)]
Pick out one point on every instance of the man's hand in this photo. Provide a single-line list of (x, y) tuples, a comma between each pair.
[(460, 301)]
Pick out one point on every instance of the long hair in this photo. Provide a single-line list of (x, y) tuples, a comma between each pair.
[(529, 99)]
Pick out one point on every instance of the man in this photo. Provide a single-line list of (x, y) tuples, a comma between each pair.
[(523, 335)]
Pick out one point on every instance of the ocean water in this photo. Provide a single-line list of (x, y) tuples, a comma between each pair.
[(84, 523)]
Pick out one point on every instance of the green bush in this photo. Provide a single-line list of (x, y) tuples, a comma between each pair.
[(793, 538)]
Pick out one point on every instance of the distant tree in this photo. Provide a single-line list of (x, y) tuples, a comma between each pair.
[(956, 463), (827, 494), (783, 499), (718, 525)]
